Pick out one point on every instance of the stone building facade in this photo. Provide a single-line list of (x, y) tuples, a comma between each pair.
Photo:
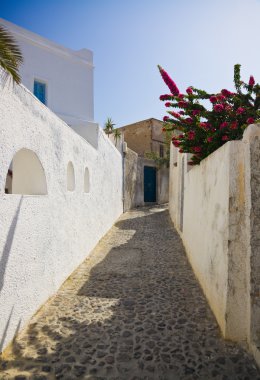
[(145, 181)]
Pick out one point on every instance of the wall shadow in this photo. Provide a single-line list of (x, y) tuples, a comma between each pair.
[(8, 245)]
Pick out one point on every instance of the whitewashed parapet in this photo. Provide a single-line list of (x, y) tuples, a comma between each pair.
[(216, 208)]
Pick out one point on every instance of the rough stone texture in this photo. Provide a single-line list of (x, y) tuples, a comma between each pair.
[(132, 310), (255, 243)]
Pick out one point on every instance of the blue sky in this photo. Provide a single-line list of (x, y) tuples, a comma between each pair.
[(197, 42)]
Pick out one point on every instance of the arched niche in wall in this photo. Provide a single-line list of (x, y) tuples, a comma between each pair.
[(70, 177), (86, 181), (26, 174)]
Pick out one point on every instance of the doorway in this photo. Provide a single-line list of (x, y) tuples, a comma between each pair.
[(149, 184)]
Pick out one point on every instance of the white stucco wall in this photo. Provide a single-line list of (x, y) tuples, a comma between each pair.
[(68, 75), (210, 207), (45, 237)]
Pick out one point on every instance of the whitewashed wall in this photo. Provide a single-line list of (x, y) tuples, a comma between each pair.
[(68, 75), (210, 205), (45, 237)]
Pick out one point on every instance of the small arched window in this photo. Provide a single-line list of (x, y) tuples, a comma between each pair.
[(86, 181), (26, 175), (70, 177)]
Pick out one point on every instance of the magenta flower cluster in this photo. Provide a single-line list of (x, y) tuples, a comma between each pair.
[(202, 130)]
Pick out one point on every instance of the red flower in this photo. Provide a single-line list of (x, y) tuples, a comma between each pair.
[(181, 136), (224, 138), (221, 97), (163, 129), (174, 114), (182, 104), (195, 112), (168, 81), (226, 92), (181, 96), (251, 81), (224, 124), (181, 150), (188, 120), (218, 107), (204, 125), (165, 97), (233, 125), (168, 104), (189, 90), (181, 112), (209, 139), (197, 149), (191, 135), (165, 118), (250, 120), (213, 99), (176, 143), (240, 110)]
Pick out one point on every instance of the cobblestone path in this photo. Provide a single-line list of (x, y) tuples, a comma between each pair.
[(132, 310)]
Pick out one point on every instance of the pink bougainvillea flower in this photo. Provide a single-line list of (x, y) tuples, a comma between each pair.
[(180, 96), (168, 104), (174, 114), (168, 81), (181, 112), (209, 139), (234, 125), (165, 118), (165, 97), (213, 99), (181, 150), (251, 81), (218, 107), (182, 104), (223, 125), (197, 149), (189, 90), (240, 110), (224, 138), (181, 136), (176, 143), (191, 135), (189, 120), (250, 120), (226, 92), (221, 97), (195, 112)]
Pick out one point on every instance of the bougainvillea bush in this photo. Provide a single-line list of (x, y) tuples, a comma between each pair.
[(204, 129)]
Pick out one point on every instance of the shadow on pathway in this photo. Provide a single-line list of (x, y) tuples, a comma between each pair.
[(133, 310)]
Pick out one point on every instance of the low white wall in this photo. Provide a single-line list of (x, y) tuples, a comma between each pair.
[(45, 237), (210, 207)]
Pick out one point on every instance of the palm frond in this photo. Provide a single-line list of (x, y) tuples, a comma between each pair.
[(10, 55)]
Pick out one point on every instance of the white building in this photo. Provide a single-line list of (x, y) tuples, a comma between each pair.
[(60, 78)]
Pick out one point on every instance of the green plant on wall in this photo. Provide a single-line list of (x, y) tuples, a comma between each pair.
[(10, 55), (109, 126), (116, 134), (161, 161)]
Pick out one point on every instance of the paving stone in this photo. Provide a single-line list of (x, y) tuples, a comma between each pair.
[(132, 310)]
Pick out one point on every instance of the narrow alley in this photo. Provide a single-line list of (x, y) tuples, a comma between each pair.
[(132, 310)]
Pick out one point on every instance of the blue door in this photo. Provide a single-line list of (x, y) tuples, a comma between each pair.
[(149, 184)]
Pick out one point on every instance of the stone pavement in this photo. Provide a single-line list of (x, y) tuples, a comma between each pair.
[(132, 310)]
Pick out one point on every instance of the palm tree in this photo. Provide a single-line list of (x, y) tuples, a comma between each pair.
[(109, 126), (117, 135), (10, 55)]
